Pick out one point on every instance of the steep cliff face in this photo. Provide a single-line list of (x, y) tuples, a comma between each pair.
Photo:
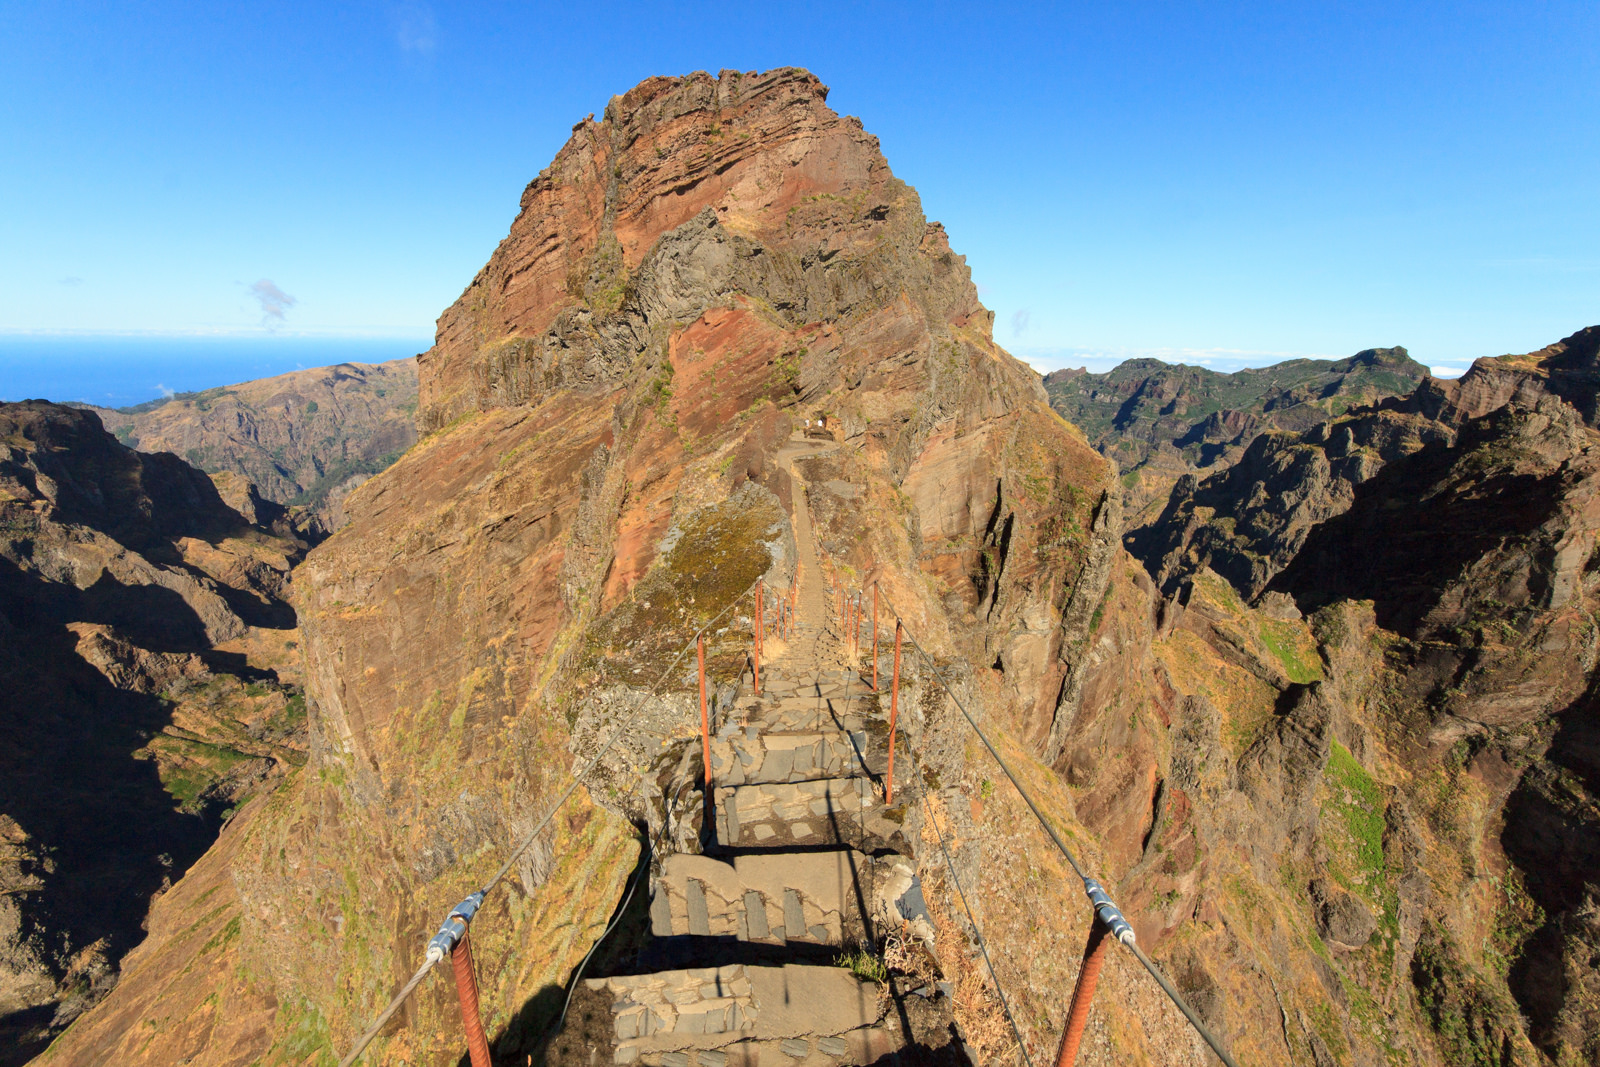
[(303, 440), (143, 625), (718, 263), (749, 256)]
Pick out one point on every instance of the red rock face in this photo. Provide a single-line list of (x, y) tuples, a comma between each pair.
[(716, 244), (762, 152)]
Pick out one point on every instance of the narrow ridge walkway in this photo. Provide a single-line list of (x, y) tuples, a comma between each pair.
[(800, 861)]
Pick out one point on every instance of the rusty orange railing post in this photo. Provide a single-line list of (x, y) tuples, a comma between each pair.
[(467, 994), (705, 719), (894, 714), (874, 637), (755, 649), (1094, 957)]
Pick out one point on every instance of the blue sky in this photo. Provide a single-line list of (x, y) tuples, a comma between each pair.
[(1227, 182)]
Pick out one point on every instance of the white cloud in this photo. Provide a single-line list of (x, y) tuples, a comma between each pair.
[(415, 29), (274, 301), (1444, 370), (1019, 322)]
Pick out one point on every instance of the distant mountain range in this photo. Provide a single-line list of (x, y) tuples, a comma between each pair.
[(1159, 420), (305, 439)]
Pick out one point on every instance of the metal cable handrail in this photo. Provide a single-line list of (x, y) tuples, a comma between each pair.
[(950, 865), (435, 957), (1091, 886), (622, 909)]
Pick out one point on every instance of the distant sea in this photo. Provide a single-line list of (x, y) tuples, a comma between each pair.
[(118, 371)]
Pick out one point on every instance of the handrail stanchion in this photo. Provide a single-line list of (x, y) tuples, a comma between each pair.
[(755, 647), (1094, 958), (894, 714), (705, 719), (874, 637), (467, 995)]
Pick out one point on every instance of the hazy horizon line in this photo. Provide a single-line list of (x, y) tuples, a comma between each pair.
[(375, 333)]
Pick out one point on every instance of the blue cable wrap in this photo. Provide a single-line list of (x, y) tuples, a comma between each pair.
[(1108, 912), (452, 929)]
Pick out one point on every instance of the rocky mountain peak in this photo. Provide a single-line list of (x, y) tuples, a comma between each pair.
[(721, 342), (777, 193), (1569, 369), (1379, 357)]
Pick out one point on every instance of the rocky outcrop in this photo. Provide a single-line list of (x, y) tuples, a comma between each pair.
[(1249, 520), (141, 622), (301, 440)]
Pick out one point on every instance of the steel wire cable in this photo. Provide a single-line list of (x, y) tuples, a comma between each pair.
[(950, 865), (622, 909), (383, 1017), (1138, 953), (406, 991)]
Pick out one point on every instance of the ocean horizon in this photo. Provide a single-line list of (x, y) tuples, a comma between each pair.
[(120, 371)]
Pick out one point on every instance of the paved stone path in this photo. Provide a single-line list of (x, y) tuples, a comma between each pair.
[(802, 860)]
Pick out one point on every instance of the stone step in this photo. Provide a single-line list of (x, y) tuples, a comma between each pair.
[(739, 1011), (812, 897), (810, 698), (742, 755), (821, 812)]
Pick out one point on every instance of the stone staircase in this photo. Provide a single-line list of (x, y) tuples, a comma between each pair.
[(799, 861)]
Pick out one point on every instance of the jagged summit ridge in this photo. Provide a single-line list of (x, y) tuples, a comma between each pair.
[(776, 188)]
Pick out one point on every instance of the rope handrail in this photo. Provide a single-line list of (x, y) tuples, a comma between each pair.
[(1105, 910), (439, 946)]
